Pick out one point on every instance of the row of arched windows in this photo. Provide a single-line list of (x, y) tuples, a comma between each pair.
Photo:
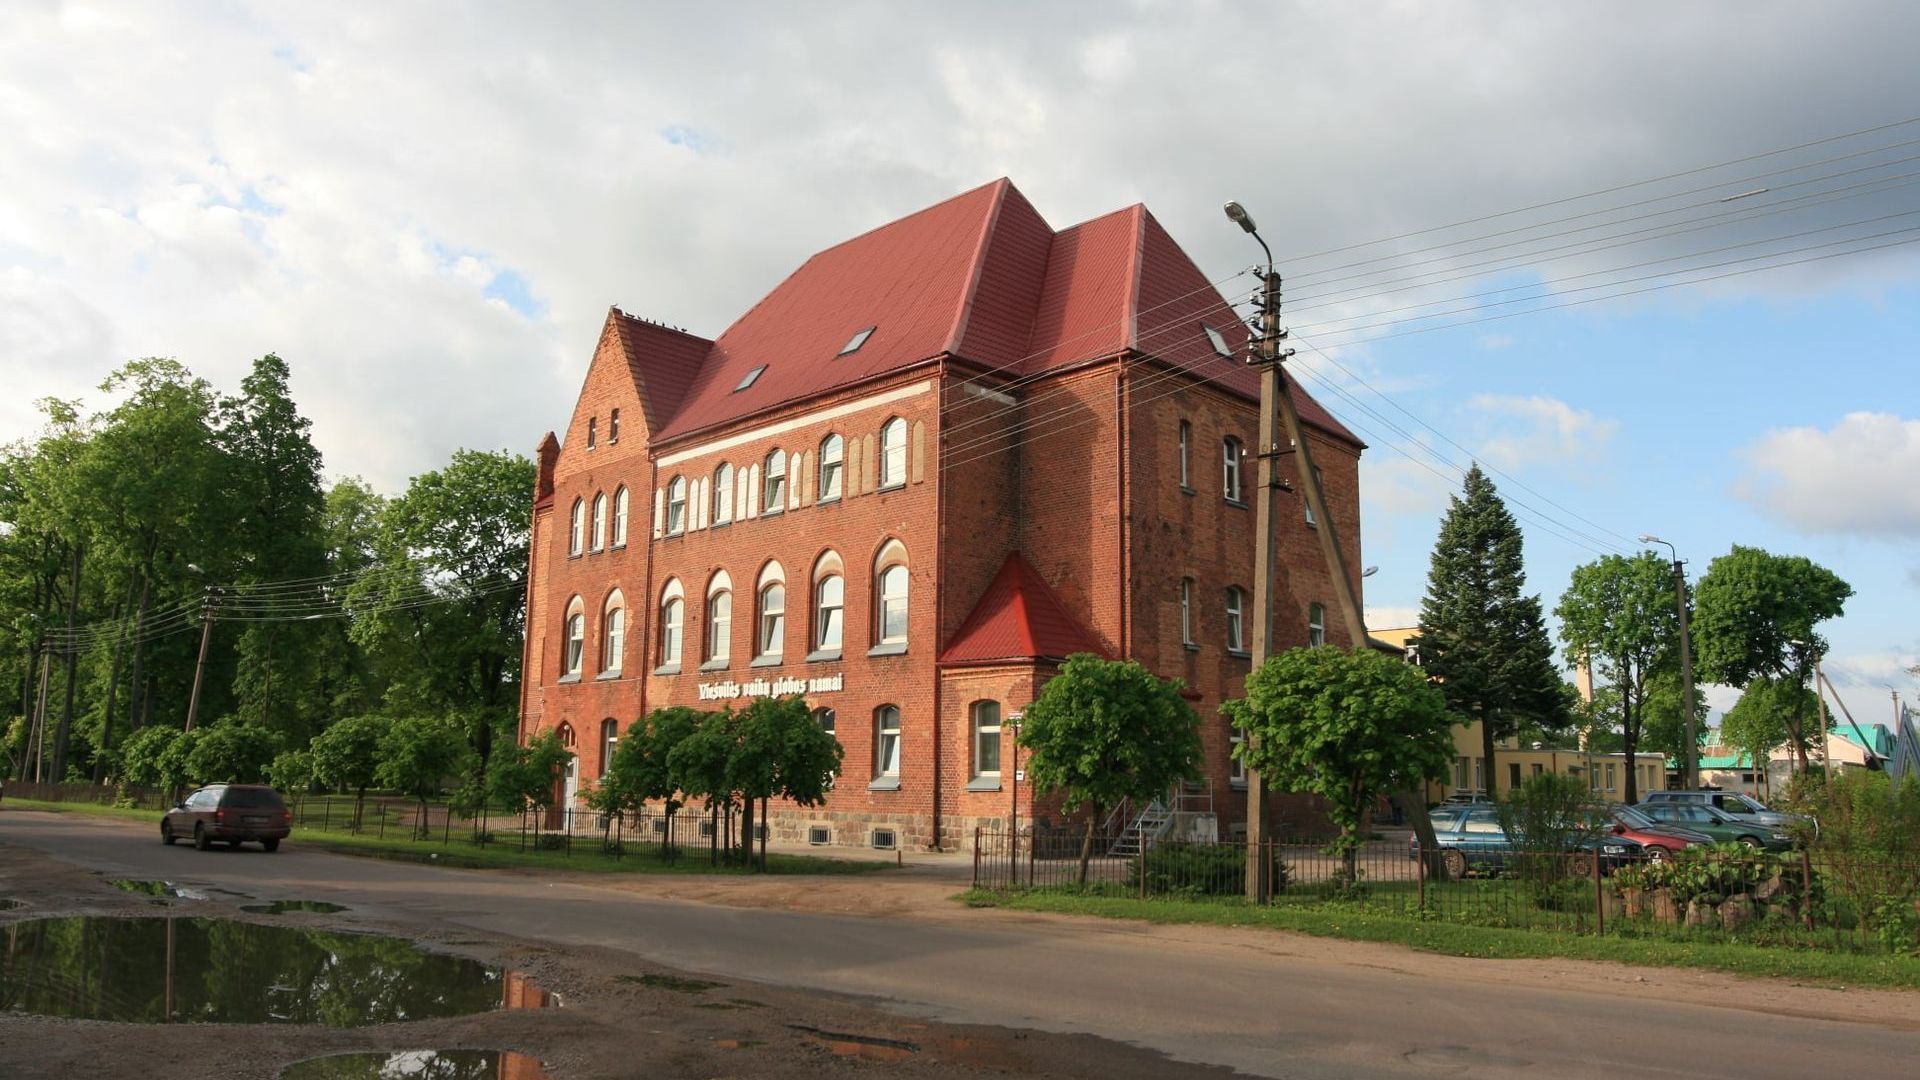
[(826, 616), (778, 482), (578, 534)]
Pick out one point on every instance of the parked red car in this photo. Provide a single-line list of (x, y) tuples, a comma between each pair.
[(235, 813), (1660, 840)]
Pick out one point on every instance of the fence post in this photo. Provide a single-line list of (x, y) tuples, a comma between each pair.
[(1420, 862), (1599, 897), (569, 832), (381, 810), (1033, 853), (1806, 886), (326, 814)]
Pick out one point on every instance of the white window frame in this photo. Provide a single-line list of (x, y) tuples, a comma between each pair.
[(985, 716), (723, 493), (893, 453), (771, 622), (833, 473), (673, 622), (576, 646), (1316, 625), (886, 741), (577, 536), (1236, 619), (892, 603), (620, 500), (613, 637), (1306, 504), (720, 625), (677, 506), (609, 742), (1236, 768), (1186, 448), (1232, 482), (1186, 612), (830, 617), (773, 498), (599, 521)]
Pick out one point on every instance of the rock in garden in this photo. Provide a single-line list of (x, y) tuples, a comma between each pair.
[(1738, 911)]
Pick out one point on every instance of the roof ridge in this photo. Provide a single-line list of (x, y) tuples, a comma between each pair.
[(978, 267)]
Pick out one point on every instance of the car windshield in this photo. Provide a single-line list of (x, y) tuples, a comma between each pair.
[(253, 799), (1631, 818), (1746, 804)]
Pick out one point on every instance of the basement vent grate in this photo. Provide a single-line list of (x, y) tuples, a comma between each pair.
[(819, 835), (883, 839)]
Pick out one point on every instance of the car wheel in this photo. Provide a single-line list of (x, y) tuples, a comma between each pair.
[(1455, 862), (1749, 842), (200, 841), (166, 833), (1659, 854), (271, 845), (1581, 865)]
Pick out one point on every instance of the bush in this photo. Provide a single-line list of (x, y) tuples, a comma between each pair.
[(1868, 836), (1545, 817), (1184, 869)]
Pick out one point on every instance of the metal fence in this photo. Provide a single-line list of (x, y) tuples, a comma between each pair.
[(1798, 898)]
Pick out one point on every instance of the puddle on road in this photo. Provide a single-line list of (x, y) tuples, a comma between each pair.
[(865, 1047), (187, 970), (418, 1065), (282, 907), (675, 983), (165, 890)]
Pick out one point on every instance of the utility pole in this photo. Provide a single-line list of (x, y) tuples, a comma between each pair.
[(1277, 411), (200, 668), (1690, 764)]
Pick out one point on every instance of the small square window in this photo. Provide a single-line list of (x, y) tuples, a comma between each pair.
[(1218, 342), (853, 343), (750, 378), (819, 835)]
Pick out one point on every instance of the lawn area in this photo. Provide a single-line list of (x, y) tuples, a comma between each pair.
[(1356, 923), (504, 853)]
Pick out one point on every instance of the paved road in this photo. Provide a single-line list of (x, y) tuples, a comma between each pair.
[(1253, 1001)]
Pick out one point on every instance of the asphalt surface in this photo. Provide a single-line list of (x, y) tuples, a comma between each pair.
[(1253, 1001)]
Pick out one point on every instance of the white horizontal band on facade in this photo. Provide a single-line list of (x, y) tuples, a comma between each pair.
[(784, 426), (991, 395)]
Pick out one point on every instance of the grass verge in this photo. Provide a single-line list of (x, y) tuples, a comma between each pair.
[(1451, 939), (501, 854)]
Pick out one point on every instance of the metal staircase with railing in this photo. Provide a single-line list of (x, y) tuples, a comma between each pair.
[(1184, 806)]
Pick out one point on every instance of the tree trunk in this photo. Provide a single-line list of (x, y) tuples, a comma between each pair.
[(764, 833), (113, 681), (1086, 843), (1630, 707), (65, 731), (746, 832), (1487, 782)]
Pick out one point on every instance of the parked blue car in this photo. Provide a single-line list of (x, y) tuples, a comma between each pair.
[(1470, 838)]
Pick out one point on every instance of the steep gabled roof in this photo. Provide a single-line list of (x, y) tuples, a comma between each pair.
[(1018, 618), (980, 277), (664, 362)]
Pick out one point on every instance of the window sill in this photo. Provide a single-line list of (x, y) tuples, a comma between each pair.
[(1237, 785), (719, 664), (823, 655), (767, 661), (667, 669), (776, 511), (884, 783), (674, 534), (573, 678), (576, 554), (621, 546), (984, 783), (1241, 503), (889, 648), (895, 486), (826, 499), (607, 676), (1185, 490), (1190, 646)]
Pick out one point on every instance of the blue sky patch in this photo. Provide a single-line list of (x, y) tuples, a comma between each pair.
[(511, 289)]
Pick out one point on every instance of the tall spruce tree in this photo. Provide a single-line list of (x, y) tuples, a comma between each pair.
[(1483, 641)]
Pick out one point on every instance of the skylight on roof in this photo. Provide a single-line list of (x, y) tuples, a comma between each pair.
[(853, 343), (748, 379), (1219, 342)]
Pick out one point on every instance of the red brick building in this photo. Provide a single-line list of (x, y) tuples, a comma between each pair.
[(937, 459)]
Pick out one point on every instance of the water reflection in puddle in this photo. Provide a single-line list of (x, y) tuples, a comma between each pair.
[(165, 890), (418, 1065), (8, 905), (158, 970), (282, 907)]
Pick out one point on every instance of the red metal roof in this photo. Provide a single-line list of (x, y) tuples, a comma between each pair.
[(1018, 618), (980, 277)]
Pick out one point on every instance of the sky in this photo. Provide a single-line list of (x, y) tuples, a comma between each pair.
[(428, 208)]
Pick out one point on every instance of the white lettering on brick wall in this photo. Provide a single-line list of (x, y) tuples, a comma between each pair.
[(776, 687)]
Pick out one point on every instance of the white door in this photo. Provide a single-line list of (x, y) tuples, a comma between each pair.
[(572, 790)]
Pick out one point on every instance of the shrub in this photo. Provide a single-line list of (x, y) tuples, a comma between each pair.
[(1545, 818), (1868, 836), (1185, 869)]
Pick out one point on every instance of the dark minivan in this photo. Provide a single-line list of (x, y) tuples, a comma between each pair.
[(236, 813)]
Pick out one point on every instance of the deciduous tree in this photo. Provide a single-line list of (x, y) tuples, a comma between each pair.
[(1618, 616)]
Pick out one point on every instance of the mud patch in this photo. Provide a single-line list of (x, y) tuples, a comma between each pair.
[(676, 983), (282, 907), (423, 1064), (865, 1047)]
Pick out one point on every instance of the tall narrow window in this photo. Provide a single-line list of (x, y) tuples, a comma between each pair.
[(720, 626), (893, 605), (599, 520), (830, 601), (1186, 448), (1186, 611), (986, 738), (886, 741), (773, 620), (832, 450), (577, 529), (672, 625), (1316, 625), (609, 742), (723, 494), (1303, 499), (776, 483), (613, 642), (1236, 768), (620, 517), (593, 431), (576, 642), (677, 506), (1230, 455), (613, 427), (1236, 625), (893, 453)]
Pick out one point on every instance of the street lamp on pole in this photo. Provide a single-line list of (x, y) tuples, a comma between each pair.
[(1690, 766)]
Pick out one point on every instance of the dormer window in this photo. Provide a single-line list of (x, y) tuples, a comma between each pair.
[(593, 430), (853, 343), (750, 378), (1218, 341)]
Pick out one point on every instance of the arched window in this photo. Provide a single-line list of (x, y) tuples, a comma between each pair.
[(723, 494), (771, 639), (599, 520), (576, 647), (719, 619), (1230, 455), (832, 450), (677, 506), (609, 742), (613, 637), (565, 731), (893, 453), (620, 517), (886, 742), (986, 739), (825, 718), (1186, 611), (775, 479), (1236, 619), (829, 608), (577, 534), (673, 617), (1316, 625), (890, 597)]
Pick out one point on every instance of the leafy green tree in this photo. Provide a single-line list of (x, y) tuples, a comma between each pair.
[(639, 772), (524, 777), (292, 772), (347, 756), (1348, 727), (700, 766), (231, 751), (782, 751), (1483, 642), (142, 755), (418, 753), (1755, 616), (1546, 817), (1763, 719), (1664, 708), (1106, 730), (1618, 615)]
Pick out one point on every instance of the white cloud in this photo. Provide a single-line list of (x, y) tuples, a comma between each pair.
[(1540, 429), (1858, 477)]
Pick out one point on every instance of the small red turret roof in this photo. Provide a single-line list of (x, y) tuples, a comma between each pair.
[(1019, 618)]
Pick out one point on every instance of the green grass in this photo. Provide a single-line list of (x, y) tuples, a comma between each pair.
[(1452, 939), (502, 854)]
